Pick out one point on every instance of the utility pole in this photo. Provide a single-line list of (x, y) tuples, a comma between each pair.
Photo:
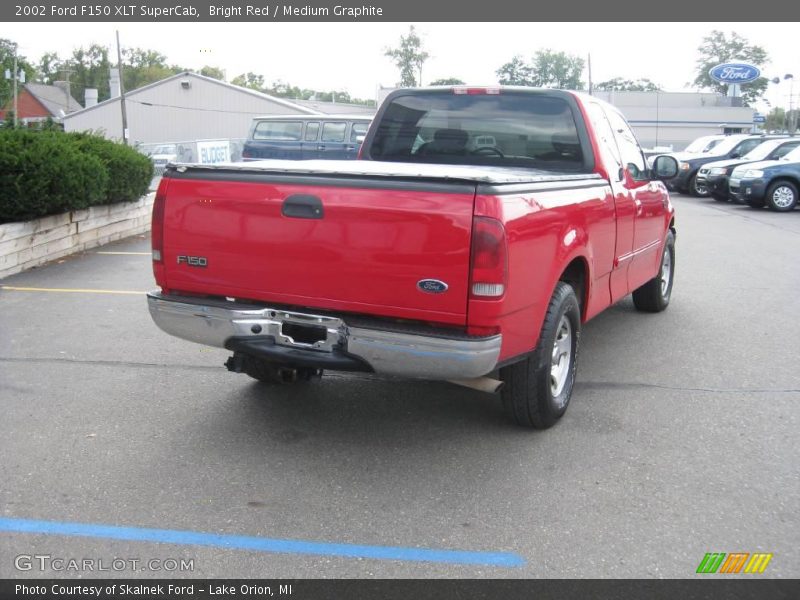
[(16, 76), (122, 95)]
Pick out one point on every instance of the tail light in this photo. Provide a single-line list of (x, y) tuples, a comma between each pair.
[(157, 228), (489, 262)]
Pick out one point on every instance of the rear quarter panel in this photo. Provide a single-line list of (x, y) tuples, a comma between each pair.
[(547, 228)]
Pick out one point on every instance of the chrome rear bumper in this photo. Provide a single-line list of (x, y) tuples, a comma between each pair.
[(230, 325)]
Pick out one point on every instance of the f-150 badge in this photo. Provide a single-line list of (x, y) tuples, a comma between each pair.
[(193, 261)]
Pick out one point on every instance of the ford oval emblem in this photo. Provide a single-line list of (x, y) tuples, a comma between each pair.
[(431, 286), (734, 73)]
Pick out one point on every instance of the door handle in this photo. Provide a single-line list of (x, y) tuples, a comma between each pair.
[(302, 206), (320, 147)]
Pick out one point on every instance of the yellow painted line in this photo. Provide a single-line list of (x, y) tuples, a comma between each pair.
[(12, 288), (127, 253)]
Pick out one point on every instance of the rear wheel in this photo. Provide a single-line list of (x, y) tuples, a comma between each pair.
[(654, 295), (538, 389), (782, 196)]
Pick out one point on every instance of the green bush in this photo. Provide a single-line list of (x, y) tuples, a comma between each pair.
[(49, 172), (43, 173), (129, 171)]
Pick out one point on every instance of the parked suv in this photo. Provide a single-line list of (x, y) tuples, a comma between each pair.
[(733, 146), (305, 137), (714, 176), (773, 183)]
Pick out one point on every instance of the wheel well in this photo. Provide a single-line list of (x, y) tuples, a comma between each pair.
[(786, 178), (575, 275)]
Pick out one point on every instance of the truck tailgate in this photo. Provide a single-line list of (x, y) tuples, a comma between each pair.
[(351, 245)]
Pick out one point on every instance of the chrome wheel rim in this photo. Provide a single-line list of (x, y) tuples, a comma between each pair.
[(783, 197), (666, 272), (561, 357), (700, 190)]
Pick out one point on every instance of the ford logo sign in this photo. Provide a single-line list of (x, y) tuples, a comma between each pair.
[(734, 73), (431, 286)]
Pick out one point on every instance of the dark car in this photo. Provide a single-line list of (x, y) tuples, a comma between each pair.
[(732, 146), (714, 176), (305, 137), (773, 183)]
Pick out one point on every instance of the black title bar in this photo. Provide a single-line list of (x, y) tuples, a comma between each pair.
[(190, 11), (404, 589)]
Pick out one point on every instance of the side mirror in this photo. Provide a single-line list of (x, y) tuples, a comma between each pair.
[(665, 167), (360, 138), (735, 155)]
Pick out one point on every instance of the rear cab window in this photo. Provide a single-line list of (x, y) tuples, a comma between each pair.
[(510, 128)]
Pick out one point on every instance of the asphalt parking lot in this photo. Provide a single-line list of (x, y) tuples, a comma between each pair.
[(681, 438)]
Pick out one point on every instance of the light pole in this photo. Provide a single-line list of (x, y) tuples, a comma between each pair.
[(792, 125), (791, 117)]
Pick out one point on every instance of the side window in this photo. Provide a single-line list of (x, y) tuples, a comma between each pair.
[(285, 131), (333, 132), (746, 146), (783, 150), (608, 146), (629, 148), (312, 131), (358, 129)]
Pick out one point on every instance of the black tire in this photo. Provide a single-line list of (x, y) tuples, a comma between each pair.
[(654, 296), (701, 192), (755, 202), (272, 373), (528, 394), (782, 196)]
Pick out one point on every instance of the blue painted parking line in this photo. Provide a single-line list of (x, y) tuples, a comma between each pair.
[(260, 544)]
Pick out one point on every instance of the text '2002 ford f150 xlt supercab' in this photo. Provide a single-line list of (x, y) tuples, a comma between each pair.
[(479, 229)]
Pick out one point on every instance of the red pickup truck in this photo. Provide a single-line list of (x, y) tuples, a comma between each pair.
[(480, 228)]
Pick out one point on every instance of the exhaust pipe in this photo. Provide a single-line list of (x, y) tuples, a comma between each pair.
[(481, 384)]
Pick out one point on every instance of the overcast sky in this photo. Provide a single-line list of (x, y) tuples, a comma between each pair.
[(350, 55)]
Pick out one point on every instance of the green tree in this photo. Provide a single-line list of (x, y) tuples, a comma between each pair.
[(7, 48), (717, 48), (47, 69), (249, 80), (213, 72), (626, 85), (89, 69), (447, 81), (409, 58), (141, 67), (515, 72), (557, 70)]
